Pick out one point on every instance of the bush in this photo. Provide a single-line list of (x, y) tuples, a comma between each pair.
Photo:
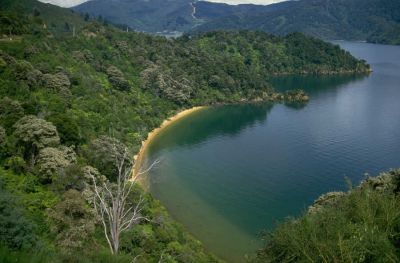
[(51, 161), (34, 134), (73, 222), (16, 231), (10, 112), (58, 82), (362, 225), (103, 152), (67, 128), (16, 163), (117, 79)]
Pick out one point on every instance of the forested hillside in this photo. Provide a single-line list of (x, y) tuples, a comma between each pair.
[(376, 21), (160, 15), (75, 93)]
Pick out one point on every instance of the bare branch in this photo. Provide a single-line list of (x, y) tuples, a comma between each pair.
[(111, 201)]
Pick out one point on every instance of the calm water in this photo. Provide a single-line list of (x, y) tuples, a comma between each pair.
[(229, 172)]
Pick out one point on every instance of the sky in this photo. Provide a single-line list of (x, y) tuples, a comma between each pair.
[(69, 3), (64, 3)]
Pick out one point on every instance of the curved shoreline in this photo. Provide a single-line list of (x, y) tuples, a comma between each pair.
[(151, 135)]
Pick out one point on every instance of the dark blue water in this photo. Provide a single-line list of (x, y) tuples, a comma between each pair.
[(229, 172)]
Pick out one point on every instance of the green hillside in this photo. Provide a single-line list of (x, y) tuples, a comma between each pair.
[(361, 225), (149, 16), (74, 93), (376, 21)]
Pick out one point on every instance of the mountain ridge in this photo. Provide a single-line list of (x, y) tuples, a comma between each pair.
[(376, 21)]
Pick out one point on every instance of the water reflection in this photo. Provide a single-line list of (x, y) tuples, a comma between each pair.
[(209, 123), (313, 84), (232, 171)]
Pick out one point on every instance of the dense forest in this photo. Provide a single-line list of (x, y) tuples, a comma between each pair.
[(75, 93), (375, 21)]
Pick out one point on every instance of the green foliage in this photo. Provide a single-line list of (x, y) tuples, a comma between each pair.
[(51, 161), (3, 136), (16, 163), (359, 226), (67, 128), (117, 79), (34, 134), (372, 20), (16, 231), (162, 239), (73, 222), (58, 82), (103, 153), (10, 112), (74, 91)]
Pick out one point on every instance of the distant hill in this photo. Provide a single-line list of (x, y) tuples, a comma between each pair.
[(163, 15), (371, 20), (143, 15), (367, 20)]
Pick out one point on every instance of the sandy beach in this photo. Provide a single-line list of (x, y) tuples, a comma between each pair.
[(151, 135)]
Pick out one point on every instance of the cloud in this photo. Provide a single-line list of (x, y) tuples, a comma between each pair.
[(64, 3), (70, 3)]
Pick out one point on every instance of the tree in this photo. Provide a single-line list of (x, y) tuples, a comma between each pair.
[(3, 135), (16, 231), (36, 12), (102, 158), (34, 134), (10, 112), (73, 221), (58, 82), (117, 79), (68, 129), (67, 27), (113, 203), (161, 83), (51, 161)]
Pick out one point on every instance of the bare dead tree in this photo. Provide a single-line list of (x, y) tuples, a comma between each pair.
[(111, 201)]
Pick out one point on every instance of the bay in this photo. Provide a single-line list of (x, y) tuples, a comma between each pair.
[(229, 172)]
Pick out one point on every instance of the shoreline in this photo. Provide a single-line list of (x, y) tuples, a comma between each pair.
[(138, 158)]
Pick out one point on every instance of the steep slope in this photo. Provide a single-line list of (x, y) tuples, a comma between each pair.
[(143, 15), (158, 15), (371, 20)]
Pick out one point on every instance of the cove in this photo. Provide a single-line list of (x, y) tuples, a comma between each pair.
[(229, 172)]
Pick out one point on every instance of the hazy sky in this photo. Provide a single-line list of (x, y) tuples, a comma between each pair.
[(69, 3), (64, 3)]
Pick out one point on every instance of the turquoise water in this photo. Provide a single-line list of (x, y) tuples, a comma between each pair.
[(229, 172)]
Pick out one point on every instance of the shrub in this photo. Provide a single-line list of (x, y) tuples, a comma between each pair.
[(34, 134), (73, 222), (10, 112), (15, 230), (117, 79), (58, 82), (360, 226), (51, 161), (16, 163), (103, 152)]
